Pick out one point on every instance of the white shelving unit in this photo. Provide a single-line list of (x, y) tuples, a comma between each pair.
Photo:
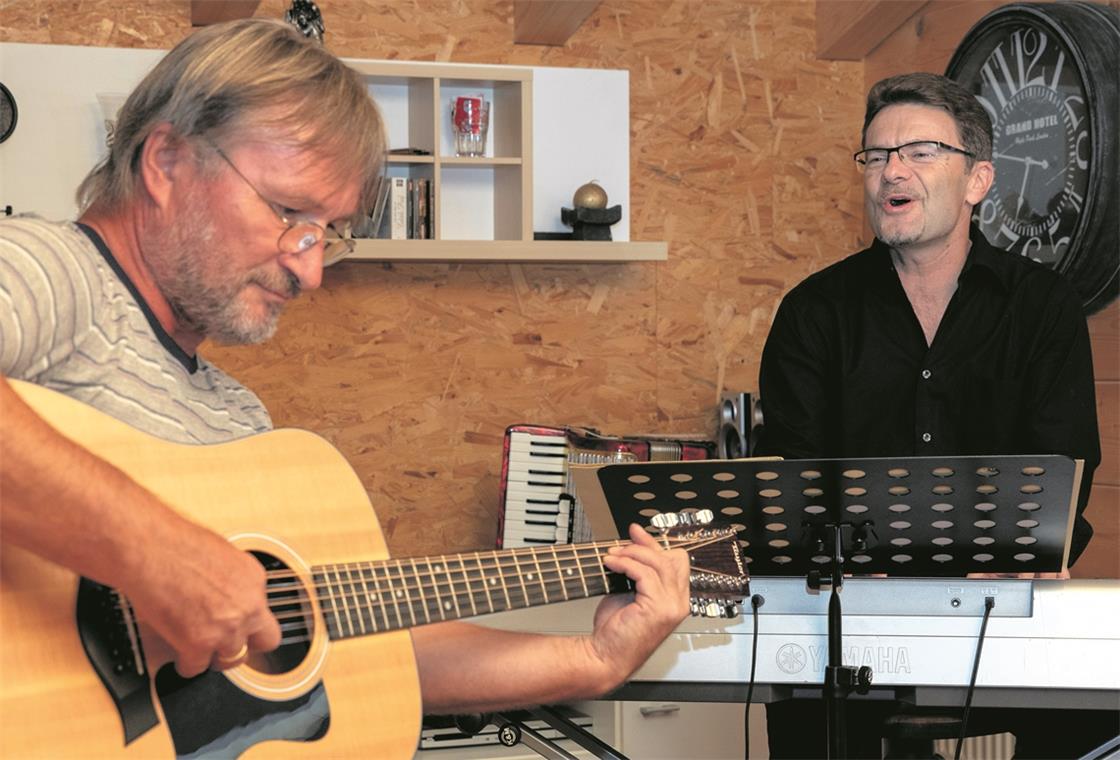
[(483, 206), (486, 207)]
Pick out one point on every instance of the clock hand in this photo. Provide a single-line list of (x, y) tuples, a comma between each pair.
[(1027, 162), (1023, 186), (1022, 160)]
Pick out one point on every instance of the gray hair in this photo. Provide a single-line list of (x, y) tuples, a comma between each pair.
[(233, 80), (940, 92)]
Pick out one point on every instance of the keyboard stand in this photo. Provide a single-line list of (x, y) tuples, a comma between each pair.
[(512, 732)]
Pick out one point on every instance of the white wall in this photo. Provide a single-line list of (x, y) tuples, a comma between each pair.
[(581, 132), (60, 133)]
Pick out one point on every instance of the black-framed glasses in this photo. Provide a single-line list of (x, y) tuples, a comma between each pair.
[(301, 234), (914, 153)]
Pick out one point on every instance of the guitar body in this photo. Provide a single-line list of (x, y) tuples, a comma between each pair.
[(288, 494)]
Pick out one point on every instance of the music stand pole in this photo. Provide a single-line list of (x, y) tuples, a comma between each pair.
[(839, 679), (835, 693)]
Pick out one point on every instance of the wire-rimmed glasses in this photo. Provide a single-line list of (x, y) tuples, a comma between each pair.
[(301, 234), (913, 153)]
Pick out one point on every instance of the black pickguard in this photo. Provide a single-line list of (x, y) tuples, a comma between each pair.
[(208, 716)]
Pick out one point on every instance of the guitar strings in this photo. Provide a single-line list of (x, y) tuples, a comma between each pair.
[(356, 598), (580, 553), (372, 601), (546, 566)]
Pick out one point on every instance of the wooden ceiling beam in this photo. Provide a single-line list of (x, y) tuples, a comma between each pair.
[(205, 12), (549, 22), (847, 30)]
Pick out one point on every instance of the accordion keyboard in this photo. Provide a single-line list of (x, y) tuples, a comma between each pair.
[(538, 501)]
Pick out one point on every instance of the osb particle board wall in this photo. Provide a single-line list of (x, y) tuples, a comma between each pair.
[(925, 43), (741, 146)]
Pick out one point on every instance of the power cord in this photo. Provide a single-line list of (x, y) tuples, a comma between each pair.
[(756, 601), (989, 604)]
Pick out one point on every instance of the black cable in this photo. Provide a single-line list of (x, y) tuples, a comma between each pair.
[(756, 601), (989, 604)]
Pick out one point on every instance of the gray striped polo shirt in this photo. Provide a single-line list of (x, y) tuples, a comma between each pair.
[(71, 320)]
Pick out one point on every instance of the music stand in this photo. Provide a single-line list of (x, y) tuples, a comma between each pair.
[(909, 517)]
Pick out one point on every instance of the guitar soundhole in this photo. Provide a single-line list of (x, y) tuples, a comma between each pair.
[(289, 602)]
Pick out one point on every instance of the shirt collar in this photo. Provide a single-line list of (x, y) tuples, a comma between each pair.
[(189, 362), (983, 259)]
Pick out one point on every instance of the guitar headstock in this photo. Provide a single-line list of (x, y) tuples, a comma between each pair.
[(719, 580)]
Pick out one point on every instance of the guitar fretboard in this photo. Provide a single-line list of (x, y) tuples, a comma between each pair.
[(361, 598)]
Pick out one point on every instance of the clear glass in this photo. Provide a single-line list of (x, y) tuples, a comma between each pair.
[(470, 120)]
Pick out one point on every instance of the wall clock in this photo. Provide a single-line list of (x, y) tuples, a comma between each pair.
[(1047, 75), (9, 113)]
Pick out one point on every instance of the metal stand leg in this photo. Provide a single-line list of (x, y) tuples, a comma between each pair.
[(512, 732), (578, 734)]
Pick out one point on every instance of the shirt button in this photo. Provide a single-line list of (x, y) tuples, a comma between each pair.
[(927, 437), (926, 374)]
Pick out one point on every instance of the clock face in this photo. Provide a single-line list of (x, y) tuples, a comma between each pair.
[(1029, 83)]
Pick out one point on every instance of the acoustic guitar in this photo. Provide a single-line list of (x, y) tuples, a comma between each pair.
[(75, 680)]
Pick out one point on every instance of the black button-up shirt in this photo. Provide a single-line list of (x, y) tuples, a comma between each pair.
[(846, 371)]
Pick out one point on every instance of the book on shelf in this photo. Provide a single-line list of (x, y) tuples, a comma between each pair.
[(413, 209), (370, 225), (422, 209), (398, 212), (378, 214), (402, 210)]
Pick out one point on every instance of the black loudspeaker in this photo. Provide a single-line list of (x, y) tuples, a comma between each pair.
[(738, 425)]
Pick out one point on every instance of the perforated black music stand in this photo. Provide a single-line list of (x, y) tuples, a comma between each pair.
[(909, 517)]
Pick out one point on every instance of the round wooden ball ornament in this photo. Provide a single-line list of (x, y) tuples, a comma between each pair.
[(591, 195)]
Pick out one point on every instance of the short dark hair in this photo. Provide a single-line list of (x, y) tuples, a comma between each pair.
[(940, 92)]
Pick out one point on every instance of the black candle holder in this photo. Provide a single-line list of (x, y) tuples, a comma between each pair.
[(591, 223)]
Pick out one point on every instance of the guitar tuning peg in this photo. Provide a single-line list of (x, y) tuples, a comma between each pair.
[(714, 608), (704, 517), (665, 520)]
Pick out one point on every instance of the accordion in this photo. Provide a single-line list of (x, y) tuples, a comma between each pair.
[(538, 503)]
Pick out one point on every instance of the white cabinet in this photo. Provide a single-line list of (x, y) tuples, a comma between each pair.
[(692, 730)]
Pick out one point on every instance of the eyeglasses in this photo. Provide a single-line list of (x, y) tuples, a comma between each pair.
[(301, 234), (914, 153)]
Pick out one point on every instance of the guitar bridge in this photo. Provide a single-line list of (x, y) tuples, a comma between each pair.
[(107, 631)]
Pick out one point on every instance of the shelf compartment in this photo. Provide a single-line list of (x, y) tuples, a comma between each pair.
[(508, 110), (482, 201), (406, 106)]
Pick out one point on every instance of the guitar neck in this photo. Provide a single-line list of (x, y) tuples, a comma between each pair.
[(360, 598)]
